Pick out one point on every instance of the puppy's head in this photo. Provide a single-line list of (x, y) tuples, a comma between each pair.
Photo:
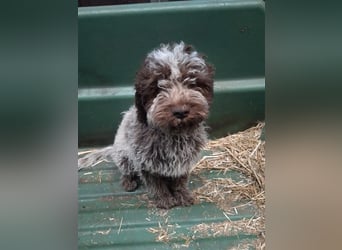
[(174, 87)]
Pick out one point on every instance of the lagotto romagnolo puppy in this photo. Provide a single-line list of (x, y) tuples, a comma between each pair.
[(160, 138)]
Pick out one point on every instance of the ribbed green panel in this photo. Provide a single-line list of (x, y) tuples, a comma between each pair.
[(113, 40), (104, 206)]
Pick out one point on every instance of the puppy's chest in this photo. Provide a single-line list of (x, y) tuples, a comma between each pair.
[(166, 153), (180, 148)]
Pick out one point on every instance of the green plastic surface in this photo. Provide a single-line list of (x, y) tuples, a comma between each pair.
[(110, 218), (114, 40)]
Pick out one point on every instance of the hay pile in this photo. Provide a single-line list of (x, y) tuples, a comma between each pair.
[(228, 228), (242, 152)]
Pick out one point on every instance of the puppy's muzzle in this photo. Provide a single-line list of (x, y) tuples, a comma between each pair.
[(180, 112)]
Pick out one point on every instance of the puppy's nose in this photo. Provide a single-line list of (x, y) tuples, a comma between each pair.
[(180, 113)]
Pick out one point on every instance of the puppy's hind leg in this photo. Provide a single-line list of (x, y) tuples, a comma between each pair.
[(130, 182), (130, 179)]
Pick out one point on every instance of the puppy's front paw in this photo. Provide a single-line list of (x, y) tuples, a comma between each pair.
[(165, 202), (184, 198)]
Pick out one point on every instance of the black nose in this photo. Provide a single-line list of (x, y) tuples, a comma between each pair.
[(180, 113)]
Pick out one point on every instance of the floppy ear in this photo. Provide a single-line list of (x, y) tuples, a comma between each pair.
[(210, 81), (205, 81), (141, 112), (139, 102), (145, 91)]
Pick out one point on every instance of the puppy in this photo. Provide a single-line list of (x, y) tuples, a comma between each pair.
[(160, 138)]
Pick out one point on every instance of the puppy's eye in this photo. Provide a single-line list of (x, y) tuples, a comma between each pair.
[(191, 83), (163, 76)]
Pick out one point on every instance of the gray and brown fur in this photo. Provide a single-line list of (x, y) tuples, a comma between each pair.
[(160, 137)]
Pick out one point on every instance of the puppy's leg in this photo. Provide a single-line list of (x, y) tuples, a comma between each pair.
[(158, 187), (179, 189), (130, 180)]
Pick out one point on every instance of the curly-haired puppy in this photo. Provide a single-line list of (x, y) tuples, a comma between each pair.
[(160, 138)]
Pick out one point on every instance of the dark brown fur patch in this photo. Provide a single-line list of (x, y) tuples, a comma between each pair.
[(204, 80), (204, 83), (146, 87), (146, 90)]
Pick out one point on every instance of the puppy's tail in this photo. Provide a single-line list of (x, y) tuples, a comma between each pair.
[(94, 157)]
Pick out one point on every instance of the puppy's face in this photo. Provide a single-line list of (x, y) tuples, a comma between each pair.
[(174, 88)]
